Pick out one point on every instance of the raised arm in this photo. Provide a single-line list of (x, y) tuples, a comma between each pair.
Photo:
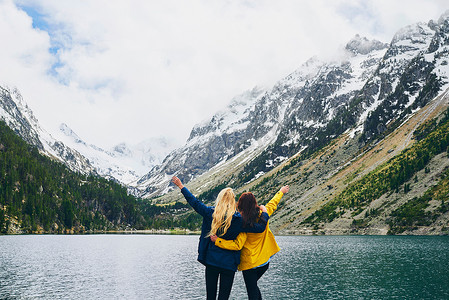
[(236, 244), (197, 205), (273, 204)]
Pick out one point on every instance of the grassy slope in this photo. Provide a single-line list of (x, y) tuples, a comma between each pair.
[(355, 202)]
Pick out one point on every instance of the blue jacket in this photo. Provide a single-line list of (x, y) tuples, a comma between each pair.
[(208, 253)]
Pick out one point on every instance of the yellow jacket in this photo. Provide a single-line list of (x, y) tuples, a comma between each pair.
[(257, 248)]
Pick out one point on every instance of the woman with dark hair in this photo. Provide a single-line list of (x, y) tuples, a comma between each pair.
[(257, 248), (223, 220)]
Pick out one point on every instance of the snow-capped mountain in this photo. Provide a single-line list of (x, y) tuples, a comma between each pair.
[(370, 92), (19, 117), (125, 163), (369, 89), (210, 142)]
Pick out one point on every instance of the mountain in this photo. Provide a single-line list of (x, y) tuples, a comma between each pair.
[(19, 117), (332, 130), (404, 189), (210, 143), (123, 163)]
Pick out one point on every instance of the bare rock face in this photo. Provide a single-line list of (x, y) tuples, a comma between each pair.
[(361, 45)]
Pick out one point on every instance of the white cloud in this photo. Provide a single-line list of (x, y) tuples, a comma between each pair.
[(128, 70)]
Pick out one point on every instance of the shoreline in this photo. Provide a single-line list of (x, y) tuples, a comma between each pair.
[(143, 231), (190, 232)]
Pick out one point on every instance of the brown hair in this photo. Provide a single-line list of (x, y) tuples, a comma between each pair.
[(249, 209)]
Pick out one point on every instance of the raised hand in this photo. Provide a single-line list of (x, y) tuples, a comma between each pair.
[(285, 189), (263, 208), (177, 182)]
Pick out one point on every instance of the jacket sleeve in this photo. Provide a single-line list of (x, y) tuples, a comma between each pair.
[(236, 244), (259, 226), (197, 205), (273, 204)]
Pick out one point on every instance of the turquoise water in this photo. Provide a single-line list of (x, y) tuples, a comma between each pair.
[(165, 267)]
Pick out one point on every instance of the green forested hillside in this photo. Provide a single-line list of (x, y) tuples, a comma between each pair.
[(433, 139), (415, 212), (38, 194)]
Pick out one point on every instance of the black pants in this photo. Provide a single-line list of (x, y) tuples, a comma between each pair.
[(226, 280), (251, 277)]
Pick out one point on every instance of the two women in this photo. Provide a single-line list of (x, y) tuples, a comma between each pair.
[(222, 220), (257, 248)]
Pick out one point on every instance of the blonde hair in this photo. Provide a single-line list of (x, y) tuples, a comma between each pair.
[(225, 208)]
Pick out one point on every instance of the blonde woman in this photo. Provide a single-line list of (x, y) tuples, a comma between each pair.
[(222, 220), (257, 248)]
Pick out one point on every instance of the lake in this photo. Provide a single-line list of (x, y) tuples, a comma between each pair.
[(164, 267)]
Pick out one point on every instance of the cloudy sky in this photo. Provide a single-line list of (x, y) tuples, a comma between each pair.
[(125, 71)]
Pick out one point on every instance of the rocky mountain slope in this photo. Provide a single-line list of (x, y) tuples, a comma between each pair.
[(332, 175), (336, 123), (370, 88)]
